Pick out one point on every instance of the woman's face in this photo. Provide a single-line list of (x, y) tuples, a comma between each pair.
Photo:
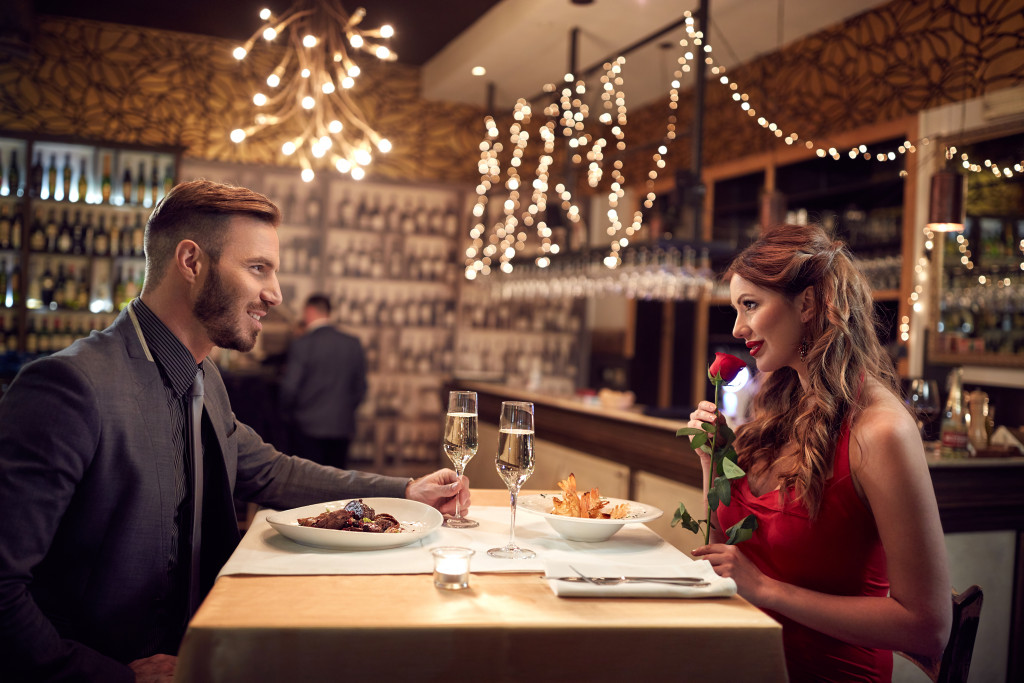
[(769, 323)]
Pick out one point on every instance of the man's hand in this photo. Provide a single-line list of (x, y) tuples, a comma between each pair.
[(439, 490), (155, 669)]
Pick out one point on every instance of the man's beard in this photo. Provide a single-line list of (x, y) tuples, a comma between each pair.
[(215, 309)]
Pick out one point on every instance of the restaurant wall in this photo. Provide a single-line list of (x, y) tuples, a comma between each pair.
[(143, 86)]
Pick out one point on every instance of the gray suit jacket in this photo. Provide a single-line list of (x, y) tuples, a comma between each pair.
[(87, 512)]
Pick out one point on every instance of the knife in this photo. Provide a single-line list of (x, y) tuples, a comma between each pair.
[(609, 580)]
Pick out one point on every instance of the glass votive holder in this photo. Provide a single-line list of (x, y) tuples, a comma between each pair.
[(451, 567)]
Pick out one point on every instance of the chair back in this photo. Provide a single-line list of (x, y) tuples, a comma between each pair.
[(956, 658)]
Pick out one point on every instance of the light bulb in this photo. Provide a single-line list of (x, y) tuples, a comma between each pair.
[(239, 53), (335, 126), (309, 41), (387, 31), (259, 99), (308, 102), (356, 40), (384, 145), (288, 148), (237, 135), (269, 33), (308, 175), (273, 80)]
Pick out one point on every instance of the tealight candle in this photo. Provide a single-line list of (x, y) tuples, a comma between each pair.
[(451, 567)]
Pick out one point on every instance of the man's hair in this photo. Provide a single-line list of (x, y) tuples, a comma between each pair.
[(320, 302), (199, 210)]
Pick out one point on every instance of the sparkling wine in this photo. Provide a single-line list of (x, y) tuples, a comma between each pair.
[(515, 456), (460, 438)]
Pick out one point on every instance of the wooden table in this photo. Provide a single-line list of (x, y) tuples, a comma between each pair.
[(506, 626)]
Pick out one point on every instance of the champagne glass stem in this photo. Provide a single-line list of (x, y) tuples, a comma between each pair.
[(458, 510), (513, 494)]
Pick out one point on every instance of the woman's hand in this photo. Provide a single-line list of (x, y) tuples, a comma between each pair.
[(705, 412), (729, 561)]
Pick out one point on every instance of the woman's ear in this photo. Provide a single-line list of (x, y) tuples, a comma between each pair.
[(188, 260), (806, 302)]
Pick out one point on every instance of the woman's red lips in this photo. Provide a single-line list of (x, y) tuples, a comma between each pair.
[(754, 347)]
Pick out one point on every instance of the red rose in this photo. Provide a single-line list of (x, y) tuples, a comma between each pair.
[(725, 368)]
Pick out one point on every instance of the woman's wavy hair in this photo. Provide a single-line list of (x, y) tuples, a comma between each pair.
[(843, 350)]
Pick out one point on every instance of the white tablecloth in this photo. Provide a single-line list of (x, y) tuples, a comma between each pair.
[(264, 551)]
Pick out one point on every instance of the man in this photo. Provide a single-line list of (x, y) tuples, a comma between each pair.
[(324, 381), (97, 579)]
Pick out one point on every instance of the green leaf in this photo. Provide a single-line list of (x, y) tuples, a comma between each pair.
[(731, 470), (683, 518), (730, 454), (706, 448), (708, 427), (712, 499), (699, 440), (689, 431), (742, 530), (723, 490)]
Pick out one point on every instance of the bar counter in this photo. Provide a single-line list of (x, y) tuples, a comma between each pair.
[(974, 495)]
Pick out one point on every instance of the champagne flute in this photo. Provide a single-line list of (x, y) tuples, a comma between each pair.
[(460, 443), (923, 398), (515, 465)]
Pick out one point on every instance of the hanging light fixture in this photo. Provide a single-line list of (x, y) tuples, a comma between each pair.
[(308, 89), (946, 202)]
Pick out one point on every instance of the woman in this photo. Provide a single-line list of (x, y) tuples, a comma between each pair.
[(848, 554)]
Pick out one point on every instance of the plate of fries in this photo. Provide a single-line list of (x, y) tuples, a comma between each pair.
[(586, 516)]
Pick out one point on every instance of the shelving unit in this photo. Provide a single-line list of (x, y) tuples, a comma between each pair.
[(71, 237)]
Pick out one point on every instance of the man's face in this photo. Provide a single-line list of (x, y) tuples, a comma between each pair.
[(242, 286)]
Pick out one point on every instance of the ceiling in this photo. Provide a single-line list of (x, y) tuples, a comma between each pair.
[(522, 44)]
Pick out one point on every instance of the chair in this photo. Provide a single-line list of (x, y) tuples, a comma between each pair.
[(956, 658)]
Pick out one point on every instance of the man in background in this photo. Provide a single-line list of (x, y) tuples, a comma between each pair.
[(324, 382)]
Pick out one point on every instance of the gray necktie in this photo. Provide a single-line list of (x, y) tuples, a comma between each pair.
[(196, 451)]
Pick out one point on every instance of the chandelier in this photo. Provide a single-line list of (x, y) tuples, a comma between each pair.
[(307, 92)]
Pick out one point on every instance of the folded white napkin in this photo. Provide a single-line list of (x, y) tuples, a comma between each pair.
[(717, 586)]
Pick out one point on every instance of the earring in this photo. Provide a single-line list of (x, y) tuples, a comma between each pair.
[(805, 346)]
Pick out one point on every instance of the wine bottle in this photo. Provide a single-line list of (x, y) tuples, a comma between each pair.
[(17, 226), (140, 185), (168, 178), (154, 182), (65, 240), (953, 434), (100, 239), (37, 238), (138, 236), (78, 234), (66, 177), (35, 176), (14, 175), (52, 231), (83, 181), (51, 177), (14, 284), (106, 181), (47, 284), (5, 226), (3, 285), (115, 237), (126, 186)]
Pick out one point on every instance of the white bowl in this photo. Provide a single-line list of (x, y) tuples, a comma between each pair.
[(586, 530)]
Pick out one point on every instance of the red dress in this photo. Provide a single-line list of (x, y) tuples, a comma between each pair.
[(838, 553)]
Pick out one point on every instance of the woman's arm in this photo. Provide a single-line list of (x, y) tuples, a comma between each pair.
[(889, 466)]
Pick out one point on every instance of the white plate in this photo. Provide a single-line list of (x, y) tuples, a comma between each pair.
[(588, 530), (417, 521)]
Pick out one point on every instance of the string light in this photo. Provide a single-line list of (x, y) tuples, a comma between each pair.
[(308, 89), (592, 151)]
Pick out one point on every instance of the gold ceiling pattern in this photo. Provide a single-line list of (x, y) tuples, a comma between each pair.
[(130, 85)]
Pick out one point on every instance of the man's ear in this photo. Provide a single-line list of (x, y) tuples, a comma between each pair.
[(806, 302), (188, 260)]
